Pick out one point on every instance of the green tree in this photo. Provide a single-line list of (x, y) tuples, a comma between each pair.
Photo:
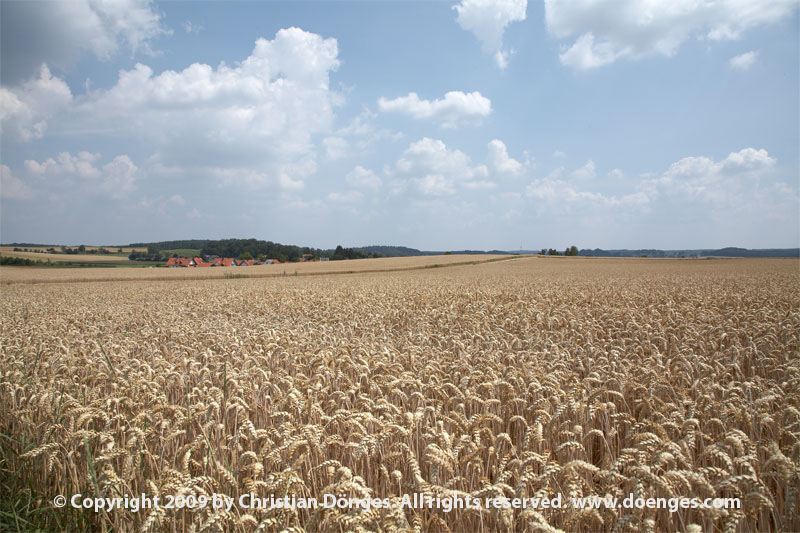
[(246, 256), (572, 250), (338, 254)]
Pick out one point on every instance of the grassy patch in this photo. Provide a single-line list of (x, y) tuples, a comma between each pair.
[(23, 505)]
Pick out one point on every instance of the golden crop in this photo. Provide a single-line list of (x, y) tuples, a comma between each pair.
[(517, 378)]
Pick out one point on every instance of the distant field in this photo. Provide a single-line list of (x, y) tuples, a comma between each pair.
[(10, 274), (64, 258), (43, 249)]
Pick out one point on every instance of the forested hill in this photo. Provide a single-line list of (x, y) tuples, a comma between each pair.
[(233, 248), (403, 251), (255, 247)]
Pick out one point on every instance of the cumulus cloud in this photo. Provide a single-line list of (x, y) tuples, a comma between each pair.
[(346, 197), (82, 165), (255, 120), (455, 109), (58, 33), (13, 188), (616, 173), (116, 178), (189, 27), (500, 160), (25, 110), (436, 170), (487, 20), (480, 185), (743, 61), (557, 193), (357, 138), (736, 184), (725, 183), (586, 172), (364, 178), (435, 185), (608, 30), (336, 147), (433, 155)]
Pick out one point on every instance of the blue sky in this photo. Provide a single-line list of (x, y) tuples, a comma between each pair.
[(481, 124)]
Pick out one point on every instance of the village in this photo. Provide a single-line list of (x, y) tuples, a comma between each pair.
[(214, 261)]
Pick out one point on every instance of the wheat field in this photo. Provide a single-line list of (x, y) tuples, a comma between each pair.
[(518, 378), (352, 266)]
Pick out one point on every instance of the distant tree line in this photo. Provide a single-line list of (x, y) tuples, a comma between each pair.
[(67, 250), (255, 248), (21, 261), (246, 249), (152, 254), (351, 253), (171, 245), (571, 251)]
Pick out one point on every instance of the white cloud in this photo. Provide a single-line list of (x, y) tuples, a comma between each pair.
[(487, 20), (559, 154), (586, 172), (176, 199), (24, 110), (608, 30), (728, 183), (435, 185), (255, 120), (102, 26), (346, 197), (162, 206), (81, 165), (480, 185), (500, 160), (116, 178), (584, 54), (556, 193), (13, 188), (735, 184), (336, 147), (744, 61), (189, 27), (357, 138), (616, 173), (455, 109), (362, 177), (436, 169), (433, 156), (58, 33)]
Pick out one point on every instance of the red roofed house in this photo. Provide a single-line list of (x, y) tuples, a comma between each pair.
[(174, 262)]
